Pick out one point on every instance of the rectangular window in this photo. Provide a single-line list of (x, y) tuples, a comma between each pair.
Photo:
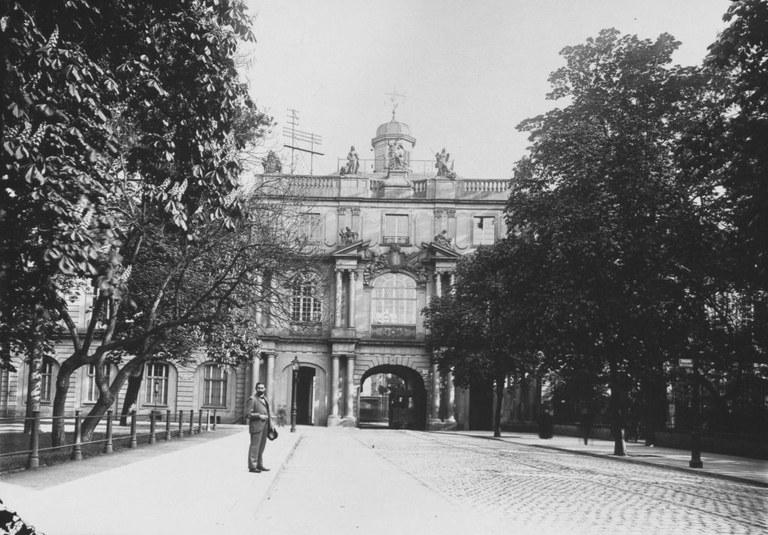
[(310, 228), (46, 380), (92, 389), (396, 229), (156, 384), (214, 387), (483, 230)]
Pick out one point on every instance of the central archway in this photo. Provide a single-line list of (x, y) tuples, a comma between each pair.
[(406, 403)]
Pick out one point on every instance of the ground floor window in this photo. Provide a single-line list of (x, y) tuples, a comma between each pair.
[(214, 386)]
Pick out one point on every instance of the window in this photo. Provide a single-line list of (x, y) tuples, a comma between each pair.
[(156, 384), (483, 230), (394, 300), (214, 386), (306, 307), (396, 229), (310, 228), (46, 380), (92, 388)]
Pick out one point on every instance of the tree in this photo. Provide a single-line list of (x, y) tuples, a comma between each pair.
[(739, 55), (118, 121), (479, 331), (599, 194)]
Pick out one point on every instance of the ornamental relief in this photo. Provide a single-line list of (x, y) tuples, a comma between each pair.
[(395, 261)]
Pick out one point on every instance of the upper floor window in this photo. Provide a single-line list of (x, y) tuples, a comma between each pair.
[(92, 387), (156, 381), (310, 228), (46, 382), (394, 300), (483, 230), (214, 386), (306, 306), (396, 229)]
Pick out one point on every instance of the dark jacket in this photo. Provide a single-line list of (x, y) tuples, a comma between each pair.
[(255, 411)]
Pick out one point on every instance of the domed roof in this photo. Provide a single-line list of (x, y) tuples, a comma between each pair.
[(393, 127)]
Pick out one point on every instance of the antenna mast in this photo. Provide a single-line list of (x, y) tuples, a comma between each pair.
[(301, 137)]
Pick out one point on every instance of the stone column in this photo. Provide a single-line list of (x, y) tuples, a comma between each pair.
[(453, 283), (438, 284), (356, 227), (350, 387), (339, 282), (270, 379), (435, 393), (334, 386), (451, 398), (352, 308)]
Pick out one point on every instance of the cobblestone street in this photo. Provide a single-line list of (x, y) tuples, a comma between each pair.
[(354, 481)]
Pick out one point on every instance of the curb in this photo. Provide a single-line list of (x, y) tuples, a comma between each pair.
[(624, 458)]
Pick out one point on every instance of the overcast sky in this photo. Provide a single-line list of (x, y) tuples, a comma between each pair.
[(470, 70)]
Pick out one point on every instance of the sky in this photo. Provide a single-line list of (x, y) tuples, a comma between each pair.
[(469, 71)]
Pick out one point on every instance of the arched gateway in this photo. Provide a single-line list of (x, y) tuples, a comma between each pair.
[(404, 405)]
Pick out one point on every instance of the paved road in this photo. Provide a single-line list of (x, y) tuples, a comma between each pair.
[(371, 481)]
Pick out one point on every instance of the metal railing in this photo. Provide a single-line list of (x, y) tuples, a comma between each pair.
[(142, 428)]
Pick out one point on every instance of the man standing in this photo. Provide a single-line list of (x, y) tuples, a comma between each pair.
[(259, 423)]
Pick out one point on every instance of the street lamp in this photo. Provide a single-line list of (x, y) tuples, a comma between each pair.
[(156, 392), (295, 369)]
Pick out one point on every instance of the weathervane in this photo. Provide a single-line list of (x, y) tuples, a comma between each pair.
[(393, 98)]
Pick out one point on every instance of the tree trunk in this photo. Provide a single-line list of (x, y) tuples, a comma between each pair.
[(68, 367), (106, 399), (131, 394), (34, 384), (499, 403), (617, 413), (655, 397)]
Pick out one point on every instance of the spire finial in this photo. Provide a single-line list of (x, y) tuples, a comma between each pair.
[(395, 98)]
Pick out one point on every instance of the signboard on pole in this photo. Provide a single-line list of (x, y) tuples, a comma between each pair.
[(685, 363)]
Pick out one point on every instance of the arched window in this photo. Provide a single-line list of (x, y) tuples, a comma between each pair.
[(214, 386), (394, 300), (306, 306), (156, 382)]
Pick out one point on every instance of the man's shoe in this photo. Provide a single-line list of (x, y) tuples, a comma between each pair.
[(255, 470), (262, 469)]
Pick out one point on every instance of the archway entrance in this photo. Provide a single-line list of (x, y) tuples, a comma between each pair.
[(392, 396)]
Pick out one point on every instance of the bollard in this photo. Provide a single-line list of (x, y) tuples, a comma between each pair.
[(181, 424), (191, 422), (168, 424), (108, 445), (214, 419), (133, 442), (77, 451), (207, 420), (152, 437), (199, 421), (34, 456)]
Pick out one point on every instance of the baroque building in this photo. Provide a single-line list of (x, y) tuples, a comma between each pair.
[(387, 234)]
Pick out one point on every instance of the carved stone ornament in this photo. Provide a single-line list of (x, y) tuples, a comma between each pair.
[(394, 261)]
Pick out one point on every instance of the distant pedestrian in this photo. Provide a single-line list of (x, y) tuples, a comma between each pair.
[(281, 416), (259, 423), (587, 419), (546, 424)]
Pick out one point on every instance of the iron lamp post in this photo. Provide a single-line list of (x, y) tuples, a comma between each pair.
[(295, 370)]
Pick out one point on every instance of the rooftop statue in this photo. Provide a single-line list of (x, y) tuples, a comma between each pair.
[(397, 156), (353, 162), (272, 164), (442, 165)]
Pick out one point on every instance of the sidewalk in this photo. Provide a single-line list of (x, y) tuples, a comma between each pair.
[(740, 469), (124, 493)]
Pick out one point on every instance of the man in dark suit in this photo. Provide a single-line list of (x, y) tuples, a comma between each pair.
[(259, 422)]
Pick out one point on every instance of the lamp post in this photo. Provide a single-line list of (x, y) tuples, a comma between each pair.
[(295, 370), (693, 383), (156, 392)]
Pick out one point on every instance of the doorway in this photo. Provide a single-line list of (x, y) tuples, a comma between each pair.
[(305, 394)]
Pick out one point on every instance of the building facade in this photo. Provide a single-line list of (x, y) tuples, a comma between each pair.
[(387, 236)]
